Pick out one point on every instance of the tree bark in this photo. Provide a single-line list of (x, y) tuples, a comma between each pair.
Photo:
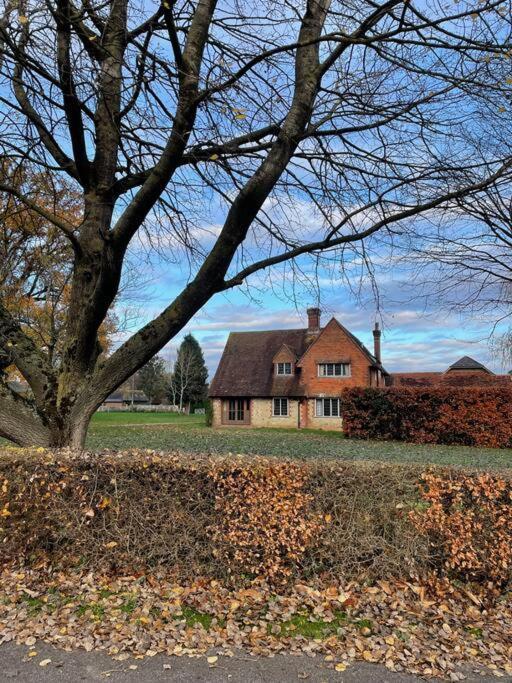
[(19, 421)]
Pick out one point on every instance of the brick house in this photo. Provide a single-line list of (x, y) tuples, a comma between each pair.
[(294, 378)]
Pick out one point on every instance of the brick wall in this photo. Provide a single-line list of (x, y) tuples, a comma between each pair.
[(336, 346)]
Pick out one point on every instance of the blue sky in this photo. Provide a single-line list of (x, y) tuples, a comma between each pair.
[(418, 335)]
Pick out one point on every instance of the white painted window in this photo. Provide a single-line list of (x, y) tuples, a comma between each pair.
[(280, 407), (283, 368), (334, 369), (327, 407)]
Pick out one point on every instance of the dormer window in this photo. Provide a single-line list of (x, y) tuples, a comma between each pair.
[(334, 369), (283, 368)]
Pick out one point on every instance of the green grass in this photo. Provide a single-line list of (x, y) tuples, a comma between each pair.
[(169, 431), (308, 627), (147, 419)]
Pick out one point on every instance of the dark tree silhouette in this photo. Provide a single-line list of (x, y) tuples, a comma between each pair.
[(370, 112)]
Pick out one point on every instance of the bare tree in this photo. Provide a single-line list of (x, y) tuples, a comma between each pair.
[(370, 112), (181, 377), (464, 262)]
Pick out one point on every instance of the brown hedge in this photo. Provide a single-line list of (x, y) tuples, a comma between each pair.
[(234, 518), (467, 416)]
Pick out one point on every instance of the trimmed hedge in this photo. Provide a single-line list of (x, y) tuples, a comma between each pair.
[(467, 416), (240, 517)]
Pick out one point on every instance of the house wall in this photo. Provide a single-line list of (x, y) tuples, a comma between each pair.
[(314, 422), (261, 413), (336, 346), (216, 412), (113, 404)]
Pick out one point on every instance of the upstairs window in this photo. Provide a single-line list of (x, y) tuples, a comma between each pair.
[(280, 407), (327, 407), (334, 369), (283, 368)]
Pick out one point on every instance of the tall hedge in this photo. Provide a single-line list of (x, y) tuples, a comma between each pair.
[(467, 416)]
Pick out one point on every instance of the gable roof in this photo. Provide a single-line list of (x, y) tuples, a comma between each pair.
[(371, 358), (467, 363), (246, 369), (285, 349)]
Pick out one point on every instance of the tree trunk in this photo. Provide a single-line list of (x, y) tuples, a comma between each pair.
[(70, 434)]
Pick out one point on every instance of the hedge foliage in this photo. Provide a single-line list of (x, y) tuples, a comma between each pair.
[(467, 416), (239, 517)]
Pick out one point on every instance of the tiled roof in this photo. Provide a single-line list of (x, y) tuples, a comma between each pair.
[(467, 363), (246, 369), (116, 397), (467, 379)]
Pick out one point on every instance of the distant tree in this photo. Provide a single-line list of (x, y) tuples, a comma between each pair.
[(188, 380), (152, 379)]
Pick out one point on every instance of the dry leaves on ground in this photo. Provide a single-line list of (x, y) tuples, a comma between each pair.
[(426, 630)]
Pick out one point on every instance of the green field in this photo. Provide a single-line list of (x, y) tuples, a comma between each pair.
[(169, 431)]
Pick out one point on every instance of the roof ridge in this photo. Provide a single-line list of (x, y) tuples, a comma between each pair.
[(284, 329)]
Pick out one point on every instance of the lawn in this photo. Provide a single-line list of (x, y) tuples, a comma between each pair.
[(169, 431)]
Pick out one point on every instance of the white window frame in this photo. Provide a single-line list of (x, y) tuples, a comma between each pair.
[(280, 413), (321, 402), (345, 370), (284, 364)]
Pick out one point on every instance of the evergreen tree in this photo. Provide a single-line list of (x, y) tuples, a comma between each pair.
[(188, 380), (152, 379)]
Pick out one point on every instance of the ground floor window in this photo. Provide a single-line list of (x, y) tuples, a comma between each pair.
[(327, 407), (238, 409), (280, 407)]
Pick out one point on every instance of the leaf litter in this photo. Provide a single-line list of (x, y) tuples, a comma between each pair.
[(432, 630)]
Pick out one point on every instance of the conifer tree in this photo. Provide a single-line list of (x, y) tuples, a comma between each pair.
[(188, 380)]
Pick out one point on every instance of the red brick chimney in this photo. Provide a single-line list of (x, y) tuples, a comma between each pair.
[(376, 342), (313, 319)]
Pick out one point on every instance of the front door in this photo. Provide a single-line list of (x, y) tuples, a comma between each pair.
[(237, 411)]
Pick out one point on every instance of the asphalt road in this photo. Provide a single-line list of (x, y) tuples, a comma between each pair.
[(79, 665)]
